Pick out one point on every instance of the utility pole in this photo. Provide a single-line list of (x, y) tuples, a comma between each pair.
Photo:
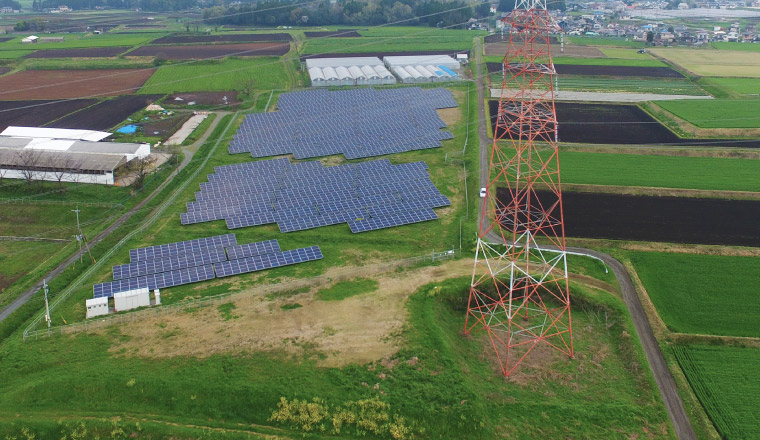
[(81, 237), (47, 306)]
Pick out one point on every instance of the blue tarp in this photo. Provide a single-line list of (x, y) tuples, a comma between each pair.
[(447, 70), (128, 129)]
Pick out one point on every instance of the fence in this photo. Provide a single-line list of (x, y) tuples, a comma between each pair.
[(348, 273), (29, 201)]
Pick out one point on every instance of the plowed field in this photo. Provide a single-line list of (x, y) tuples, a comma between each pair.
[(37, 113), (63, 84), (231, 38), (211, 51)]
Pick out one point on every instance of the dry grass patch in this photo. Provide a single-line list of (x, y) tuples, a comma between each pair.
[(714, 62)]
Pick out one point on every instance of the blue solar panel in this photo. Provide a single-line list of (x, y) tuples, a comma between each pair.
[(156, 281), (147, 267), (357, 123), (267, 261), (307, 195), (251, 249), (390, 220), (189, 246)]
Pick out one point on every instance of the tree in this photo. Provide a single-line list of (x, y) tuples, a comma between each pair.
[(140, 168), (64, 165), (29, 160), (249, 85), (483, 10), (506, 5), (650, 37)]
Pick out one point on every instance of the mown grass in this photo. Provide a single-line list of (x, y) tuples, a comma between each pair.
[(605, 41), (212, 75), (702, 294), (707, 173), (441, 384), (717, 113), (76, 41), (726, 381), (742, 86), (347, 289), (636, 62)]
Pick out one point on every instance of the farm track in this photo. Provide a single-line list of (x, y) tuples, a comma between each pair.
[(662, 375), (29, 293)]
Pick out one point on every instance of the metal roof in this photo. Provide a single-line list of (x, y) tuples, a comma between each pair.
[(55, 133), (60, 160), (342, 61), (105, 147)]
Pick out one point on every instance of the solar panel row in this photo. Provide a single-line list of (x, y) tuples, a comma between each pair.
[(357, 123), (181, 247), (308, 195), (204, 264)]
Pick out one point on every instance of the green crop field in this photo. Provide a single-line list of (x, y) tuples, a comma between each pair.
[(707, 173), (410, 42), (705, 62), (635, 62), (605, 41), (437, 385), (587, 83), (746, 47), (717, 113), (267, 73), (703, 294), (412, 31), (75, 41), (629, 53), (742, 86), (13, 54), (727, 382)]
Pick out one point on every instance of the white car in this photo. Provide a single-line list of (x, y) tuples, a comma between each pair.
[(482, 193)]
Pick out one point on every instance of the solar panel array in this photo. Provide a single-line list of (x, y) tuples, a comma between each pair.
[(357, 123), (185, 262), (367, 195)]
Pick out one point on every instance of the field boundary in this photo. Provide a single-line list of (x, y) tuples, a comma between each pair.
[(319, 280), (22, 200)]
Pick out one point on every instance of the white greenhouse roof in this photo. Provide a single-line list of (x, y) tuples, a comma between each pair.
[(422, 60), (55, 133), (342, 61)]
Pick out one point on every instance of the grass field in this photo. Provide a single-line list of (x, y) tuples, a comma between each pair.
[(412, 31), (742, 86), (629, 53), (714, 62), (660, 171), (635, 62), (717, 113), (747, 47), (229, 74), (727, 382), (411, 42), (86, 63), (702, 294), (605, 41), (13, 54), (438, 385), (347, 289), (72, 41), (631, 85)]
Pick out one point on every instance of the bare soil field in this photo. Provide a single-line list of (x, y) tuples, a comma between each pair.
[(4, 39), (230, 38), (106, 114), (4, 70), (385, 54), (340, 33), (37, 113), (212, 51), (90, 52), (659, 219), (202, 98), (615, 124), (500, 49), (165, 127), (64, 84)]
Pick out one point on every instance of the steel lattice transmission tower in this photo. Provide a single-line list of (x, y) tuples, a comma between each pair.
[(519, 293)]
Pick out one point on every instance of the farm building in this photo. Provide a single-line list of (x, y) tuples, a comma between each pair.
[(424, 68), (30, 39), (55, 154), (348, 71)]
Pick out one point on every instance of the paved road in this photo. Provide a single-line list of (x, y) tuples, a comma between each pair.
[(27, 295), (662, 375)]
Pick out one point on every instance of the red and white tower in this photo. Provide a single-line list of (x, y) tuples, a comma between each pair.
[(519, 293)]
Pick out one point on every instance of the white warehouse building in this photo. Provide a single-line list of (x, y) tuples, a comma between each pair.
[(348, 71)]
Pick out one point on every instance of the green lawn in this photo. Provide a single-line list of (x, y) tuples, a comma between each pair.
[(742, 86), (703, 294), (746, 47), (605, 41), (636, 62), (717, 113), (660, 171), (628, 84), (13, 54), (72, 41), (212, 75), (415, 41), (440, 382), (727, 382)]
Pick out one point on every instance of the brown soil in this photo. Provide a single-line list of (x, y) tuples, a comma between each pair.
[(63, 84), (662, 192), (359, 329), (212, 50), (202, 98)]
